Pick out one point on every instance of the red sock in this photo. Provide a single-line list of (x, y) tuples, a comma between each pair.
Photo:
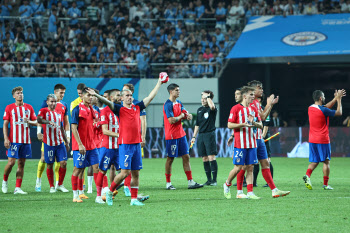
[(189, 175), (105, 182), (249, 188), (228, 185), (113, 186), (80, 184), (74, 180), (308, 172), (268, 178), (49, 173), (134, 191), (98, 182), (62, 174), (18, 183), (127, 181), (95, 177), (325, 180), (6, 177), (167, 177), (240, 178)]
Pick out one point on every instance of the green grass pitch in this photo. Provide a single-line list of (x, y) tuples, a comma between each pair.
[(183, 210)]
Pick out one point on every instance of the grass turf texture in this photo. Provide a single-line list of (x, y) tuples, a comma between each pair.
[(183, 210)]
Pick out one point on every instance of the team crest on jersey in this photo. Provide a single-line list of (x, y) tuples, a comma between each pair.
[(12, 153), (126, 164), (106, 166), (51, 158), (238, 160), (206, 115), (80, 163), (102, 118)]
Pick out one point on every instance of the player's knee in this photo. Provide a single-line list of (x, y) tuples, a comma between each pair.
[(205, 158), (211, 157), (63, 164), (11, 163), (264, 164), (249, 168), (49, 165)]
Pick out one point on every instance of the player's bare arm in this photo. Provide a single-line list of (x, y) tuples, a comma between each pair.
[(101, 98), (254, 123), (143, 130), (42, 121), (269, 104), (231, 125), (67, 127), (339, 96), (6, 133), (82, 149), (66, 141), (265, 129), (108, 132), (39, 134), (32, 123), (153, 93), (173, 120)]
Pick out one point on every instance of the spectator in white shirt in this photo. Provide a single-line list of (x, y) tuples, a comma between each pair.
[(310, 9), (235, 15)]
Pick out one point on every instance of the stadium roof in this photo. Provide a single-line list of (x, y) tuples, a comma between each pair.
[(304, 38)]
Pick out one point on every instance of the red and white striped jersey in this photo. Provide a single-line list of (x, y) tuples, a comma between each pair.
[(52, 134), (245, 137), (112, 121), (19, 131), (257, 105)]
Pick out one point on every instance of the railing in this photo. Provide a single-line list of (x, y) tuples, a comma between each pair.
[(109, 70)]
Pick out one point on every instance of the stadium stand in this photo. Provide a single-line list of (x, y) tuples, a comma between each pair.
[(130, 38)]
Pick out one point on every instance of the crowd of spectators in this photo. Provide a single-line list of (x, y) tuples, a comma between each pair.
[(60, 36)]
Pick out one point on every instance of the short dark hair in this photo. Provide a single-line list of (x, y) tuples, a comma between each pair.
[(85, 90), (238, 89), (211, 94), (172, 87), (246, 89), (130, 86), (112, 91), (255, 83), (316, 95), (59, 86), (107, 91), (81, 86)]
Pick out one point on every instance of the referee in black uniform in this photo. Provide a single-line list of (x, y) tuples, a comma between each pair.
[(206, 144)]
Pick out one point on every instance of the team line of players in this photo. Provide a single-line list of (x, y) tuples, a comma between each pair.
[(120, 125)]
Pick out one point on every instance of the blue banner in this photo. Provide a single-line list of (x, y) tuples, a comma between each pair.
[(35, 90), (302, 35)]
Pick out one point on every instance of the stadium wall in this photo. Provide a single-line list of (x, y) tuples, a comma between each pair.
[(190, 96)]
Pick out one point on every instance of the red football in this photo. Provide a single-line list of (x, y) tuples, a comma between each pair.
[(163, 76)]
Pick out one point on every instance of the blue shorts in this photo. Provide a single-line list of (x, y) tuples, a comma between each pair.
[(177, 147), (244, 156), (87, 160), (130, 156), (319, 152), (261, 149), (107, 157), (52, 153), (19, 151)]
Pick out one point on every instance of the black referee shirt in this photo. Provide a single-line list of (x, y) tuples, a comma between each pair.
[(206, 119)]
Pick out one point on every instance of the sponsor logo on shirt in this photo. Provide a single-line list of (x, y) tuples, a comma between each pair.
[(206, 115)]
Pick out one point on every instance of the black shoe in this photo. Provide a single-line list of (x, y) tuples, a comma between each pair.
[(255, 185), (244, 184), (234, 184), (266, 186), (208, 183), (119, 186), (195, 186)]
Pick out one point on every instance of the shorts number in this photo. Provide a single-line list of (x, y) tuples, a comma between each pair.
[(81, 157), (50, 153), (14, 147), (127, 156), (239, 155), (107, 160)]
